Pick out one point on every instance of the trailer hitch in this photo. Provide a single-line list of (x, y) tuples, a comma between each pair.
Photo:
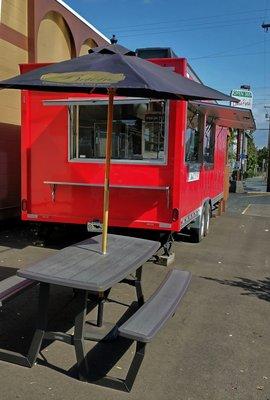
[(168, 255), (167, 244)]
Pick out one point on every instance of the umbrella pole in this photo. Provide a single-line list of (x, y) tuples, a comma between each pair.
[(111, 93)]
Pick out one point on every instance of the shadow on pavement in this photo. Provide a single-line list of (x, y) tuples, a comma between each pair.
[(258, 288), (103, 356), (16, 234), (6, 272), (18, 317)]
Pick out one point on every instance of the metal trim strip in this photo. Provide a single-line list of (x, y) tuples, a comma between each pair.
[(112, 186)]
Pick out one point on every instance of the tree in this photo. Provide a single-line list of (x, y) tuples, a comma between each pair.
[(252, 157), (262, 155), (232, 146)]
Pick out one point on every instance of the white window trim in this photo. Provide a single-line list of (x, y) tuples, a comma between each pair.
[(163, 162)]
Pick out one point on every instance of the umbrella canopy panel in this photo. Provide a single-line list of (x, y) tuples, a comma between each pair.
[(129, 75)]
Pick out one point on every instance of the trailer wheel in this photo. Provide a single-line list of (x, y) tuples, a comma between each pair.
[(198, 232)]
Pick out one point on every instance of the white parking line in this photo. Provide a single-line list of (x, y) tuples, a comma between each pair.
[(256, 194), (245, 210)]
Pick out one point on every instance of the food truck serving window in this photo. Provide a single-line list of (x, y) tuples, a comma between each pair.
[(138, 130)]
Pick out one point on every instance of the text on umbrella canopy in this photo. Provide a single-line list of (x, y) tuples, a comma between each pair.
[(92, 77)]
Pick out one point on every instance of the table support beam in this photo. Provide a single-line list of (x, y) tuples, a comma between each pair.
[(79, 335), (126, 384), (42, 318), (138, 287)]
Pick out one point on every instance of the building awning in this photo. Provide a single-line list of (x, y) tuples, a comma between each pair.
[(227, 116)]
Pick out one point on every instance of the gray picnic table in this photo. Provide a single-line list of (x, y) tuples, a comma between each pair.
[(83, 267)]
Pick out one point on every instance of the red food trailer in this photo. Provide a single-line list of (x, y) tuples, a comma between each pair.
[(168, 158)]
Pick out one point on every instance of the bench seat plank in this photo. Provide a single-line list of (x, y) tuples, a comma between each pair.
[(149, 319), (11, 286)]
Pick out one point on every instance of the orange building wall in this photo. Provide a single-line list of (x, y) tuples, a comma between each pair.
[(31, 31)]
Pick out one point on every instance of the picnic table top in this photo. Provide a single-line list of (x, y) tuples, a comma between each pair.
[(83, 266)]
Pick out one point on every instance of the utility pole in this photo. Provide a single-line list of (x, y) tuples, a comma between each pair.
[(268, 168), (266, 27)]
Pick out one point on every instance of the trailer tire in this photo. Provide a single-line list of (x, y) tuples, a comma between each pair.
[(198, 233)]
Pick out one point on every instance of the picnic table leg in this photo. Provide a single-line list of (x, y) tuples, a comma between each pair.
[(43, 302), (138, 286), (101, 302), (135, 366), (79, 336)]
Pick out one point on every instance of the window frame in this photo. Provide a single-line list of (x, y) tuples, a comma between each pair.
[(163, 162), (202, 123), (207, 164), (195, 165)]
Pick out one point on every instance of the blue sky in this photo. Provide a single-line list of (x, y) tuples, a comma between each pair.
[(222, 40)]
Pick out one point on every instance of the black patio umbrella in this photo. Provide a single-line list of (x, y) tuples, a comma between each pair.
[(111, 70), (128, 74)]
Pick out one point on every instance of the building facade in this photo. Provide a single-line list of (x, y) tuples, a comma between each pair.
[(32, 31)]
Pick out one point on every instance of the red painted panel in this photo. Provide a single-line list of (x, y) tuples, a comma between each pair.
[(9, 170), (46, 142)]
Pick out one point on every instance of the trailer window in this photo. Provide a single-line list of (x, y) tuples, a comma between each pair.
[(192, 137), (209, 143), (138, 131)]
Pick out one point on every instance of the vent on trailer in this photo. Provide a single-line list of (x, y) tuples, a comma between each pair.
[(155, 52), (165, 52)]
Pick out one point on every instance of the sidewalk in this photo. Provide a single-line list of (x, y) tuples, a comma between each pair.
[(256, 184)]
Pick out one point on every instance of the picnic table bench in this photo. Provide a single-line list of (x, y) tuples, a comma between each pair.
[(147, 321), (83, 267), (13, 286)]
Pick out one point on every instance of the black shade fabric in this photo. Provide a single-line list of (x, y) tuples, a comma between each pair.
[(130, 76), (112, 49)]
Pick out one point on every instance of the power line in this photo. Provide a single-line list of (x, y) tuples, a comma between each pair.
[(217, 25), (187, 23), (226, 51), (184, 19)]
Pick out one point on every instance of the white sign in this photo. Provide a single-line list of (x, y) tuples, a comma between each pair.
[(193, 176), (245, 97)]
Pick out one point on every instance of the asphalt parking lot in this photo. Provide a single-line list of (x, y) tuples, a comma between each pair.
[(217, 346)]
